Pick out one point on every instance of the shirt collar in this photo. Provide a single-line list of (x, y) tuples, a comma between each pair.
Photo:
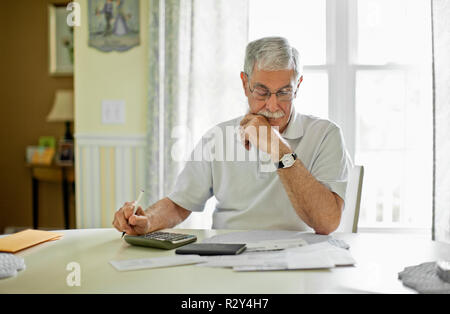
[(294, 129)]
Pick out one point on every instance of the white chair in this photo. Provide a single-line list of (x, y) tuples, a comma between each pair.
[(350, 215)]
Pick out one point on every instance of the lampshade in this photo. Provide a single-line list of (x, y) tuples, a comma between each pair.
[(62, 110)]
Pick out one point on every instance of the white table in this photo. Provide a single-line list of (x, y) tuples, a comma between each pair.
[(379, 259)]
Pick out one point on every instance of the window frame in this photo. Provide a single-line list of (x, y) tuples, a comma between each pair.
[(342, 67)]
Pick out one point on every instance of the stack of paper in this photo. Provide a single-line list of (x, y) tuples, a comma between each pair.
[(281, 249), (283, 238), (25, 239), (314, 256)]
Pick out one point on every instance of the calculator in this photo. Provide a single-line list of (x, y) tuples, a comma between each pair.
[(161, 240)]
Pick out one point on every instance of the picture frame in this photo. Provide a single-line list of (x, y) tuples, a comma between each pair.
[(114, 25), (65, 155), (60, 41)]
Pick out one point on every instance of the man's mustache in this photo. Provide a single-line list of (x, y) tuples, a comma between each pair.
[(271, 115)]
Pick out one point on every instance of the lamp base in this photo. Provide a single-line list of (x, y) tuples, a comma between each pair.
[(68, 135)]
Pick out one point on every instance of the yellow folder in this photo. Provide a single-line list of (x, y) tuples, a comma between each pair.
[(24, 239)]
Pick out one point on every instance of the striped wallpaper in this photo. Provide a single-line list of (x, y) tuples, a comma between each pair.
[(110, 170)]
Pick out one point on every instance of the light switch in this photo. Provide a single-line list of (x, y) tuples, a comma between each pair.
[(113, 111)]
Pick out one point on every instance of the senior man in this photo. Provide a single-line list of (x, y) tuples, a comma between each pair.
[(307, 187)]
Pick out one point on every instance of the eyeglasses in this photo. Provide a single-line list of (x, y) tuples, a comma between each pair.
[(261, 93)]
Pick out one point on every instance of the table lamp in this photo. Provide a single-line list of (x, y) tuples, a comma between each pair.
[(62, 110)]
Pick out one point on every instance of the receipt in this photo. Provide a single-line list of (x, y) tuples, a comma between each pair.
[(156, 262)]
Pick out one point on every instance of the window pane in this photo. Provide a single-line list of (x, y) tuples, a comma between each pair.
[(393, 31), (312, 97), (302, 22), (394, 144)]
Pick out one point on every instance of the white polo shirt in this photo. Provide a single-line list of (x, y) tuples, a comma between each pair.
[(245, 183)]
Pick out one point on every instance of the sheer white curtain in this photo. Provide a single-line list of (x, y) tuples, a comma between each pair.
[(197, 50), (441, 79)]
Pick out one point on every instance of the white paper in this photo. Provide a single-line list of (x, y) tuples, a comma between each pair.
[(258, 236), (268, 240), (318, 257), (280, 250), (314, 256), (293, 260), (246, 259), (312, 260), (340, 257), (156, 262), (263, 235), (274, 245)]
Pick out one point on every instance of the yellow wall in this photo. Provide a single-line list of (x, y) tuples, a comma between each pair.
[(110, 163), (112, 75)]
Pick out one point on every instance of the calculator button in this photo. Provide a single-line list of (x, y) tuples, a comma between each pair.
[(168, 236)]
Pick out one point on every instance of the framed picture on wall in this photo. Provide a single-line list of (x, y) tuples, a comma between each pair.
[(60, 39), (114, 24)]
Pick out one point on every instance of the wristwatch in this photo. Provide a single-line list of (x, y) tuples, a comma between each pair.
[(287, 161)]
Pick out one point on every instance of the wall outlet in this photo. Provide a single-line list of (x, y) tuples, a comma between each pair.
[(113, 111)]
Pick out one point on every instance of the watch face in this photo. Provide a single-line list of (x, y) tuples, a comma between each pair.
[(287, 160)]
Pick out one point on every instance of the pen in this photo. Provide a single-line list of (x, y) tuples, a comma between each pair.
[(136, 205)]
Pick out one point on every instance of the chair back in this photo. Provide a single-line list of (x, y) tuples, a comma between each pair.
[(350, 215)]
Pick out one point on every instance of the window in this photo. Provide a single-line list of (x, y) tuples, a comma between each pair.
[(393, 112), (367, 66)]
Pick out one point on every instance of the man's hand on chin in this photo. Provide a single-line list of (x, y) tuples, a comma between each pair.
[(256, 130)]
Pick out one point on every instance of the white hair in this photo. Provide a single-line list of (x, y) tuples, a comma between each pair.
[(272, 54)]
